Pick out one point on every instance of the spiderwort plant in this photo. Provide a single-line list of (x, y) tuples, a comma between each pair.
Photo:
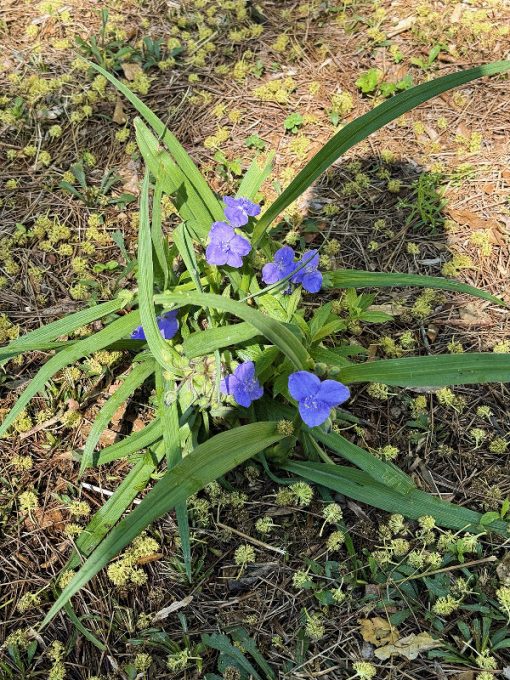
[(289, 366)]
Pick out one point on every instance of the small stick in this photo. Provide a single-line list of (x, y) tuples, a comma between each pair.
[(453, 567), (255, 541)]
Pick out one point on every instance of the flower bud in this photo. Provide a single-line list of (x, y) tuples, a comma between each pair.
[(320, 369)]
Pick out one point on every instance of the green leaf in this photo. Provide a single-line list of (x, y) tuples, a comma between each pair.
[(362, 127), (414, 504), (132, 382), (173, 182), (184, 245), (255, 176), (329, 329), (44, 334), (330, 357), (169, 416), (207, 462), (115, 331), (206, 342), (109, 514), (222, 644), (368, 81), (159, 243), (432, 371), (384, 473), (183, 160), (248, 644), (273, 330), (349, 278), (134, 442), (161, 350)]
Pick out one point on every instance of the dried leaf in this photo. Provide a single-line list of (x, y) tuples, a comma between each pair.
[(378, 631), (408, 647), (131, 70), (471, 219), (119, 116), (175, 606)]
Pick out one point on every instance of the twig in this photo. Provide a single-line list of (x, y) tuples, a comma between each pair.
[(255, 541)]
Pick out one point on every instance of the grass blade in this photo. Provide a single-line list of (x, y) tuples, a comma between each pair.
[(415, 504), (114, 331), (365, 125), (432, 371), (273, 330), (353, 278), (206, 463), (132, 382)]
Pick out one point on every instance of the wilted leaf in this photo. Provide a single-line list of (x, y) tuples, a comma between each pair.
[(378, 631), (131, 70), (119, 116), (408, 647)]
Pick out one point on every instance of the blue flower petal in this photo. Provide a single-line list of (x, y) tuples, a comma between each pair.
[(270, 273), (236, 216), (333, 392), (168, 325), (312, 282), (303, 384), (138, 334), (314, 414), (227, 384)]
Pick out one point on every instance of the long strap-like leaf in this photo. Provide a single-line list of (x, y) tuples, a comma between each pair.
[(353, 278), (384, 473), (206, 342), (109, 514), (415, 504), (180, 155), (173, 182), (159, 347), (115, 331), (432, 371), (207, 462), (137, 377), (45, 334), (273, 330), (134, 442), (365, 125)]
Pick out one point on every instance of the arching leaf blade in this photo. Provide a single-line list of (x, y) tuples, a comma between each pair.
[(365, 125), (206, 463)]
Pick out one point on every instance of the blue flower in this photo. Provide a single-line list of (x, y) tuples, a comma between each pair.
[(309, 276), (167, 324), (315, 398), (282, 266), (225, 246), (239, 210), (242, 384)]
